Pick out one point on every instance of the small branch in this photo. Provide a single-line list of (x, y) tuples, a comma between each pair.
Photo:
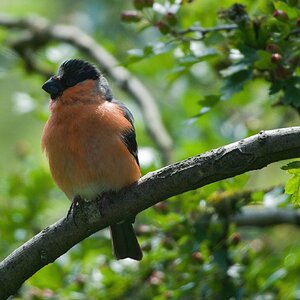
[(27, 54), (201, 31), (248, 154), (258, 216), (39, 32)]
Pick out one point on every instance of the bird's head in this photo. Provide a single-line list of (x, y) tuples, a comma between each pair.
[(73, 72)]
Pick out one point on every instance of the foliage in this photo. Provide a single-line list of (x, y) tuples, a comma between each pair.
[(246, 47), (292, 186), (220, 71)]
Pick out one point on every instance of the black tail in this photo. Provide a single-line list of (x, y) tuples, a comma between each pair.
[(124, 241)]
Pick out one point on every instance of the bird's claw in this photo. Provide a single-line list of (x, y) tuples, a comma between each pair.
[(76, 203)]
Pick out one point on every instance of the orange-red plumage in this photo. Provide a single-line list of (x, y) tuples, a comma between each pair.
[(84, 142)]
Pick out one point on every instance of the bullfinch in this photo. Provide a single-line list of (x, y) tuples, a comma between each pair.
[(90, 142)]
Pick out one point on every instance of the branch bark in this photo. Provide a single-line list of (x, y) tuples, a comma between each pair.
[(38, 32), (249, 154)]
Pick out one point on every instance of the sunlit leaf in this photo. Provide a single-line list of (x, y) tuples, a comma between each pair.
[(292, 12), (292, 186)]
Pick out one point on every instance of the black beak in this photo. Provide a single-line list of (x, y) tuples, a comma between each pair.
[(53, 87)]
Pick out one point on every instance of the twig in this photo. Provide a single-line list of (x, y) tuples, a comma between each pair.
[(203, 31), (249, 154), (200, 31), (39, 32)]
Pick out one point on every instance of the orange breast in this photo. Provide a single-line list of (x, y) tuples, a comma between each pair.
[(85, 149)]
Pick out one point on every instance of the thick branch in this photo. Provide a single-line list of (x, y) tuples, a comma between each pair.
[(39, 32), (249, 154)]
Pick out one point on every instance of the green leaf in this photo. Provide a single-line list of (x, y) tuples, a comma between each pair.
[(274, 278), (177, 73), (292, 92), (136, 55), (264, 60), (209, 100), (290, 11), (235, 68), (292, 165), (189, 60), (207, 103), (249, 58), (292, 96), (235, 83), (275, 87), (250, 54), (161, 48), (292, 186)]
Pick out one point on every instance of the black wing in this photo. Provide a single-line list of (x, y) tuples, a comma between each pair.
[(129, 136)]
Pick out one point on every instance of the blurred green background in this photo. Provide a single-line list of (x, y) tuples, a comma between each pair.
[(192, 251)]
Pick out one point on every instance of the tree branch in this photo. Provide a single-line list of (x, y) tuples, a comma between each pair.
[(201, 31), (258, 216), (39, 32), (249, 154)]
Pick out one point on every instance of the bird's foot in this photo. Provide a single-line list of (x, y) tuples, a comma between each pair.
[(76, 204)]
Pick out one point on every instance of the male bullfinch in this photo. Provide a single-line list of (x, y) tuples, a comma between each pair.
[(90, 143)]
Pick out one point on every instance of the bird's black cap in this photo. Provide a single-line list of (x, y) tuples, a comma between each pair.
[(71, 72)]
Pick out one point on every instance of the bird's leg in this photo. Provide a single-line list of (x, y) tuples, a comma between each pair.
[(76, 203)]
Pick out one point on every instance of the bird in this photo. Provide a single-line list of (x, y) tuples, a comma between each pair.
[(90, 142)]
